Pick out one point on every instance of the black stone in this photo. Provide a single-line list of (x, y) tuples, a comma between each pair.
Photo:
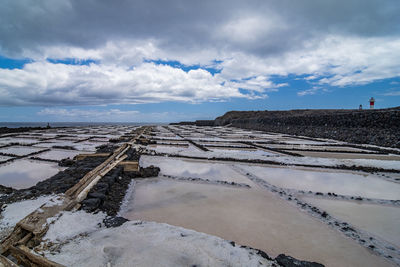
[(114, 221), (287, 261)]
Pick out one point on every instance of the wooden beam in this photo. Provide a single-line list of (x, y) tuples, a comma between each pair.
[(130, 166), (83, 156), (26, 255), (6, 262)]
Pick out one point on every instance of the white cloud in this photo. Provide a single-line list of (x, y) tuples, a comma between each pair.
[(392, 93), (311, 91), (254, 40)]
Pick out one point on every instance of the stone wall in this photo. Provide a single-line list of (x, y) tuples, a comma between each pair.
[(379, 127)]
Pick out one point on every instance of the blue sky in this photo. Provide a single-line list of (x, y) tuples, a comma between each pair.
[(170, 65)]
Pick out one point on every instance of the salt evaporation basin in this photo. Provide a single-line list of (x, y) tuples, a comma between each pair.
[(343, 183), (194, 169), (58, 154), (248, 216), (19, 150), (379, 220), (25, 173)]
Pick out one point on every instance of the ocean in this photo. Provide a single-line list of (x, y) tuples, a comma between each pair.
[(68, 124)]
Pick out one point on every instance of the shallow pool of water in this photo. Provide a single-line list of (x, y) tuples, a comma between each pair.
[(253, 217), (4, 158), (344, 183), (195, 169), (19, 150), (25, 173), (58, 154), (379, 220)]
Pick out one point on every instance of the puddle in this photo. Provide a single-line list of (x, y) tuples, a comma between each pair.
[(305, 147), (58, 154), (88, 146), (19, 150), (343, 183), (195, 169), (251, 217), (24, 141), (382, 221), (25, 173), (174, 149), (242, 153), (347, 155), (4, 158)]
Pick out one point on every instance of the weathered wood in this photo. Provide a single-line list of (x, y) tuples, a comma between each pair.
[(36, 222), (13, 238), (25, 239), (82, 156), (31, 229), (83, 193), (6, 262), (130, 166), (28, 257), (73, 190)]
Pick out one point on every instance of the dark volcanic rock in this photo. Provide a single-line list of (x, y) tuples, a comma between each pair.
[(91, 204), (379, 127), (6, 190), (287, 261), (114, 221), (150, 171)]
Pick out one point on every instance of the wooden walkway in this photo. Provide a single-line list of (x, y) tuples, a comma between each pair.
[(29, 232)]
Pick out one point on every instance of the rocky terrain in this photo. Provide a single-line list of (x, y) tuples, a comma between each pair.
[(378, 127)]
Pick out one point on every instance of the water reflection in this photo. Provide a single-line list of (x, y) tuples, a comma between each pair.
[(189, 168), (253, 217), (57, 154), (25, 173), (338, 182), (379, 220), (19, 150)]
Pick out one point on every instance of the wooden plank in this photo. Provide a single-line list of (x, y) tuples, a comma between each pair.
[(84, 191), (130, 165), (34, 226), (13, 238), (82, 156), (89, 175), (6, 262), (26, 255)]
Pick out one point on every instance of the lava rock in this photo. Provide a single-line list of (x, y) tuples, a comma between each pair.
[(287, 261), (91, 204), (114, 221), (150, 171), (98, 195)]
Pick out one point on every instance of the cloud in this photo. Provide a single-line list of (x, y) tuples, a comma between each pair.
[(332, 42), (45, 83), (392, 93), (311, 91)]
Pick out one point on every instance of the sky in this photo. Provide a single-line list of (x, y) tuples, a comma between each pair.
[(177, 60)]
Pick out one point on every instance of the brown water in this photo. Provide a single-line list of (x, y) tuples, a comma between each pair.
[(253, 217)]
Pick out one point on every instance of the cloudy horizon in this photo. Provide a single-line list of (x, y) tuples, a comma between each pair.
[(162, 61)]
